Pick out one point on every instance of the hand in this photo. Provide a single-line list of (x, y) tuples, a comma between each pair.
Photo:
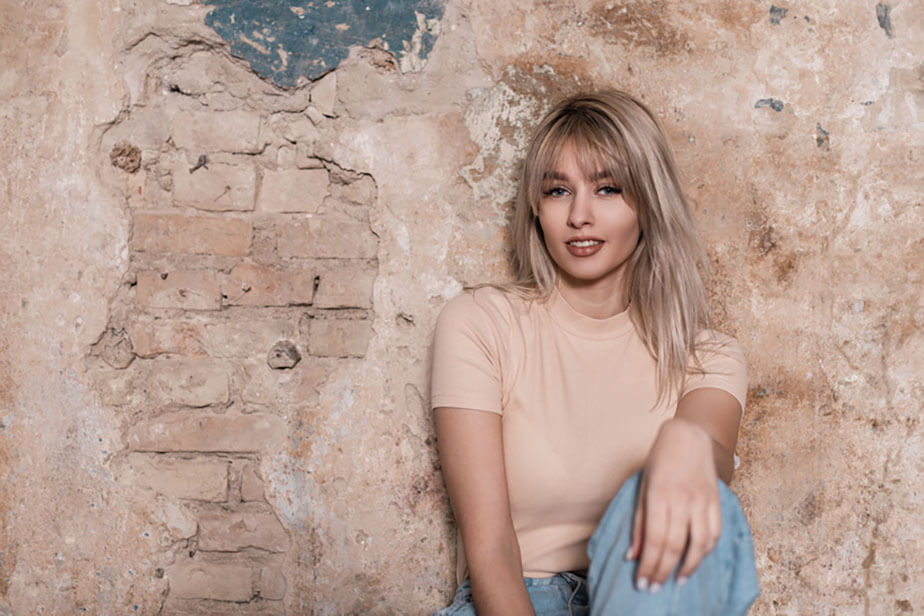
[(678, 505)]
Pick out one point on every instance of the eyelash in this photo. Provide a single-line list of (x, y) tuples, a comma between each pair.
[(554, 191)]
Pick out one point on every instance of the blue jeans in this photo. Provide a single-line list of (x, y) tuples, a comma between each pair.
[(724, 584)]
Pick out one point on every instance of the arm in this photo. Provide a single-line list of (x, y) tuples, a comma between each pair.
[(678, 503), (472, 456)]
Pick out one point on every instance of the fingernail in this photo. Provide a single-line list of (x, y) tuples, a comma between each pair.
[(629, 554), (641, 584), (655, 588), (681, 581)]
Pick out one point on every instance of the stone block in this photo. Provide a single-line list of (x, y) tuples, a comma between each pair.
[(271, 583), (201, 607), (192, 431), (259, 285), (216, 187), (293, 190), (224, 531), (324, 94), (217, 131), (202, 479), (251, 484), (326, 237), (190, 382), (299, 385), (193, 579), (339, 337), (362, 191), (187, 290), (191, 234), (346, 283)]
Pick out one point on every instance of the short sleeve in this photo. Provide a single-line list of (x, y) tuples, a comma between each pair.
[(723, 367), (466, 369)]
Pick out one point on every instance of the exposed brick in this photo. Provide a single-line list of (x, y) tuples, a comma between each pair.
[(259, 285), (217, 187), (339, 337), (152, 337), (205, 480), (274, 387), (193, 579), (165, 381), (251, 484), (247, 338), (191, 382), (217, 131), (242, 337), (327, 236), (191, 234), (346, 284), (224, 531), (293, 190), (272, 583), (188, 290), (191, 431)]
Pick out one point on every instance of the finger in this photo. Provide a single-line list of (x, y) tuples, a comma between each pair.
[(637, 525), (699, 544), (715, 522), (678, 531), (653, 538)]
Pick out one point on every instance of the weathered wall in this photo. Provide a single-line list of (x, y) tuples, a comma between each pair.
[(213, 378)]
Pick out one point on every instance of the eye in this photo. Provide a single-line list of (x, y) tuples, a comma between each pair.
[(610, 190), (555, 191)]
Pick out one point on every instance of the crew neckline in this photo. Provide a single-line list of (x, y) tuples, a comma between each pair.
[(582, 325)]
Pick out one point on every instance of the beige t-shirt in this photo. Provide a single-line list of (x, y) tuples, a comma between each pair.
[(577, 397)]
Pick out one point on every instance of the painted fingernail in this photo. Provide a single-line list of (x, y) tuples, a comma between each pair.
[(629, 554), (681, 581), (654, 588), (641, 584)]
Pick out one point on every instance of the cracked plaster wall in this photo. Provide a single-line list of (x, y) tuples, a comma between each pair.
[(213, 383)]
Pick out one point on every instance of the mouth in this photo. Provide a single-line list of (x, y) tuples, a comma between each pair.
[(583, 243)]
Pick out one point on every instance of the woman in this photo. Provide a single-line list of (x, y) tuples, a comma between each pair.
[(552, 392)]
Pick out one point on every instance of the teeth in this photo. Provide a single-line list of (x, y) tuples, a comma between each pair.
[(584, 243)]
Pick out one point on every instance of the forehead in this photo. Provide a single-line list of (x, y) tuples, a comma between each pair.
[(585, 159)]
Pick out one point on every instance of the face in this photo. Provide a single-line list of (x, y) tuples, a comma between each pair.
[(590, 229)]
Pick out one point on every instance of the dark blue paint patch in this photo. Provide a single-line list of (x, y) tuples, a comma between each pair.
[(777, 13), (773, 103), (884, 15), (285, 40), (822, 139)]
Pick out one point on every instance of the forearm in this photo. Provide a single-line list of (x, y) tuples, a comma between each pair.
[(496, 576), (724, 459), (717, 413)]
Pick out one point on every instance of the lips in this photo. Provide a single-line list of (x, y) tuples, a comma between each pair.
[(584, 246)]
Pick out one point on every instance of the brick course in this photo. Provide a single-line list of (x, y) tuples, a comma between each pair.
[(233, 531), (293, 190), (178, 233), (188, 290), (192, 579), (195, 431), (327, 236), (198, 479), (260, 285), (218, 187), (217, 131)]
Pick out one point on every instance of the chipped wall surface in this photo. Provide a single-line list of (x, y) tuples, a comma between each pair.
[(221, 279)]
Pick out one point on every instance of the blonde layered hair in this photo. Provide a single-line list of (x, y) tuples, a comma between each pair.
[(613, 132)]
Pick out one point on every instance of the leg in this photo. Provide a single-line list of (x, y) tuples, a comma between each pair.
[(724, 584)]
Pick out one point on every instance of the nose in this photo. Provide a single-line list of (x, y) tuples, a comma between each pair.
[(580, 213)]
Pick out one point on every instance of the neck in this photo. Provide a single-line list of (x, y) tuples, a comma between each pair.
[(597, 301)]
